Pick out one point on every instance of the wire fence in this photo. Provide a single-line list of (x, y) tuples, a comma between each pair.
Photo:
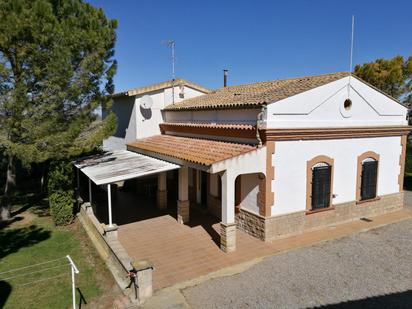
[(40, 272)]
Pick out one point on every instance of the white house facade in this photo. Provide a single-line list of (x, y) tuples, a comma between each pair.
[(136, 120), (273, 158)]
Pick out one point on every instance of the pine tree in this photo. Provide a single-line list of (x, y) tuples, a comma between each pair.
[(56, 68), (392, 76)]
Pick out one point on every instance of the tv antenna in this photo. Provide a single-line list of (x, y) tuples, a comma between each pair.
[(351, 53), (171, 44)]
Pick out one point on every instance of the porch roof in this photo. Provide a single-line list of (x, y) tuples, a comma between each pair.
[(120, 165), (203, 152)]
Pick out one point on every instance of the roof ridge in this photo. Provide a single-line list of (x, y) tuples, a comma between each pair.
[(288, 79), (162, 85)]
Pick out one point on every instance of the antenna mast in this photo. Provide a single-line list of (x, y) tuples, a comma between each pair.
[(351, 53), (172, 44)]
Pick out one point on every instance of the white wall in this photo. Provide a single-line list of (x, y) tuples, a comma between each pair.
[(135, 122), (323, 107), (290, 160), (250, 189), (243, 116)]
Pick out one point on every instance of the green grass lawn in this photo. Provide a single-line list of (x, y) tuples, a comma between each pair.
[(34, 239)]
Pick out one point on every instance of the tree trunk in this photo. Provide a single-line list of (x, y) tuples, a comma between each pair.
[(43, 180), (8, 190)]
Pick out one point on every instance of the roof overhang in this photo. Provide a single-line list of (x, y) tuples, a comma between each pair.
[(120, 165), (198, 153)]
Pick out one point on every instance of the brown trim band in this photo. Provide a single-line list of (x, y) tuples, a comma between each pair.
[(332, 133), (402, 159), (248, 132), (363, 156)]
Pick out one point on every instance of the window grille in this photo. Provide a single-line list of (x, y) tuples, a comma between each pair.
[(321, 186), (369, 179)]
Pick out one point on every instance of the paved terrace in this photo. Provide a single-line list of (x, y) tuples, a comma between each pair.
[(184, 252)]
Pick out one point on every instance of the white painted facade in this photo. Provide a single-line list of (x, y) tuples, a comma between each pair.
[(135, 122), (290, 160), (323, 107)]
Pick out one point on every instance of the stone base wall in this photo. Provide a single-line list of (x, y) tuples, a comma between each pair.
[(118, 268), (115, 257), (214, 206), (251, 223), (228, 237), (183, 211), (269, 228)]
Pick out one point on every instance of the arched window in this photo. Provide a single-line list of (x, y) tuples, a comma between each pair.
[(367, 176), (319, 188)]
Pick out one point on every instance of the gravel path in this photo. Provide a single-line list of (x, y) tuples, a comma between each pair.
[(367, 270)]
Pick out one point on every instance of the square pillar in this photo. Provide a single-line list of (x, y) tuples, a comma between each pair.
[(90, 192), (161, 191), (183, 203), (228, 225)]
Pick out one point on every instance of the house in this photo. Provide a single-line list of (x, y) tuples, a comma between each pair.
[(270, 158), (135, 121), (280, 157)]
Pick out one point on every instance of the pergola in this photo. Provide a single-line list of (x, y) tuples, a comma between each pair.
[(119, 165)]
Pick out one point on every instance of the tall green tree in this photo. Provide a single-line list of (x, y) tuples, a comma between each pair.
[(56, 68), (392, 76)]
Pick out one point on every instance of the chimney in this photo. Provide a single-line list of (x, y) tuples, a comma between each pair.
[(225, 77)]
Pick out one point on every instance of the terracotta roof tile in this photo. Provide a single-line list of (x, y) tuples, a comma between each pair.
[(257, 94), (195, 150), (162, 85)]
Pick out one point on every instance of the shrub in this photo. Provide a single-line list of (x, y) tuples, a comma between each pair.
[(60, 190), (61, 207)]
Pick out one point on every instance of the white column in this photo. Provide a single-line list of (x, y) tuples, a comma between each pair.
[(228, 225), (183, 183), (109, 203), (90, 191), (78, 182), (228, 198), (183, 201)]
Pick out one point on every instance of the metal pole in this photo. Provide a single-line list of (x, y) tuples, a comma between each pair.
[(90, 191), (109, 203), (74, 271), (351, 53), (78, 183)]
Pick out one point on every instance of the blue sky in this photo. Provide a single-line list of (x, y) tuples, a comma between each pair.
[(255, 40)]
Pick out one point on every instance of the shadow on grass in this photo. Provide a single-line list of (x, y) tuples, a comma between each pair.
[(398, 300), (37, 203), (5, 291), (11, 240)]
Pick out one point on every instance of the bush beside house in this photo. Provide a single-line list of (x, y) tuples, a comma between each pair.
[(61, 194)]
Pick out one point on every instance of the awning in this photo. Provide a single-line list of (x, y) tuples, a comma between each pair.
[(120, 165), (202, 152)]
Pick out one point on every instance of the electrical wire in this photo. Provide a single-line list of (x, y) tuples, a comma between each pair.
[(33, 272), (37, 281), (16, 269)]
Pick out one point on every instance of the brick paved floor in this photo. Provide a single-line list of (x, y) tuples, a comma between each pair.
[(184, 252)]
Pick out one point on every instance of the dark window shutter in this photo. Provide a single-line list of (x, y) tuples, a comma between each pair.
[(369, 179), (321, 186)]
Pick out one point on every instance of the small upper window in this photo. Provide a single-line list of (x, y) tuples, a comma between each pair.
[(347, 104)]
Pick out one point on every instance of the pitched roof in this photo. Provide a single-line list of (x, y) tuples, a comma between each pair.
[(257, 94), (162, 85), (194, 150)]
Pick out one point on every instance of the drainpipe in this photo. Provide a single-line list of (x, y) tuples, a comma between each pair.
[(259, 122)]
